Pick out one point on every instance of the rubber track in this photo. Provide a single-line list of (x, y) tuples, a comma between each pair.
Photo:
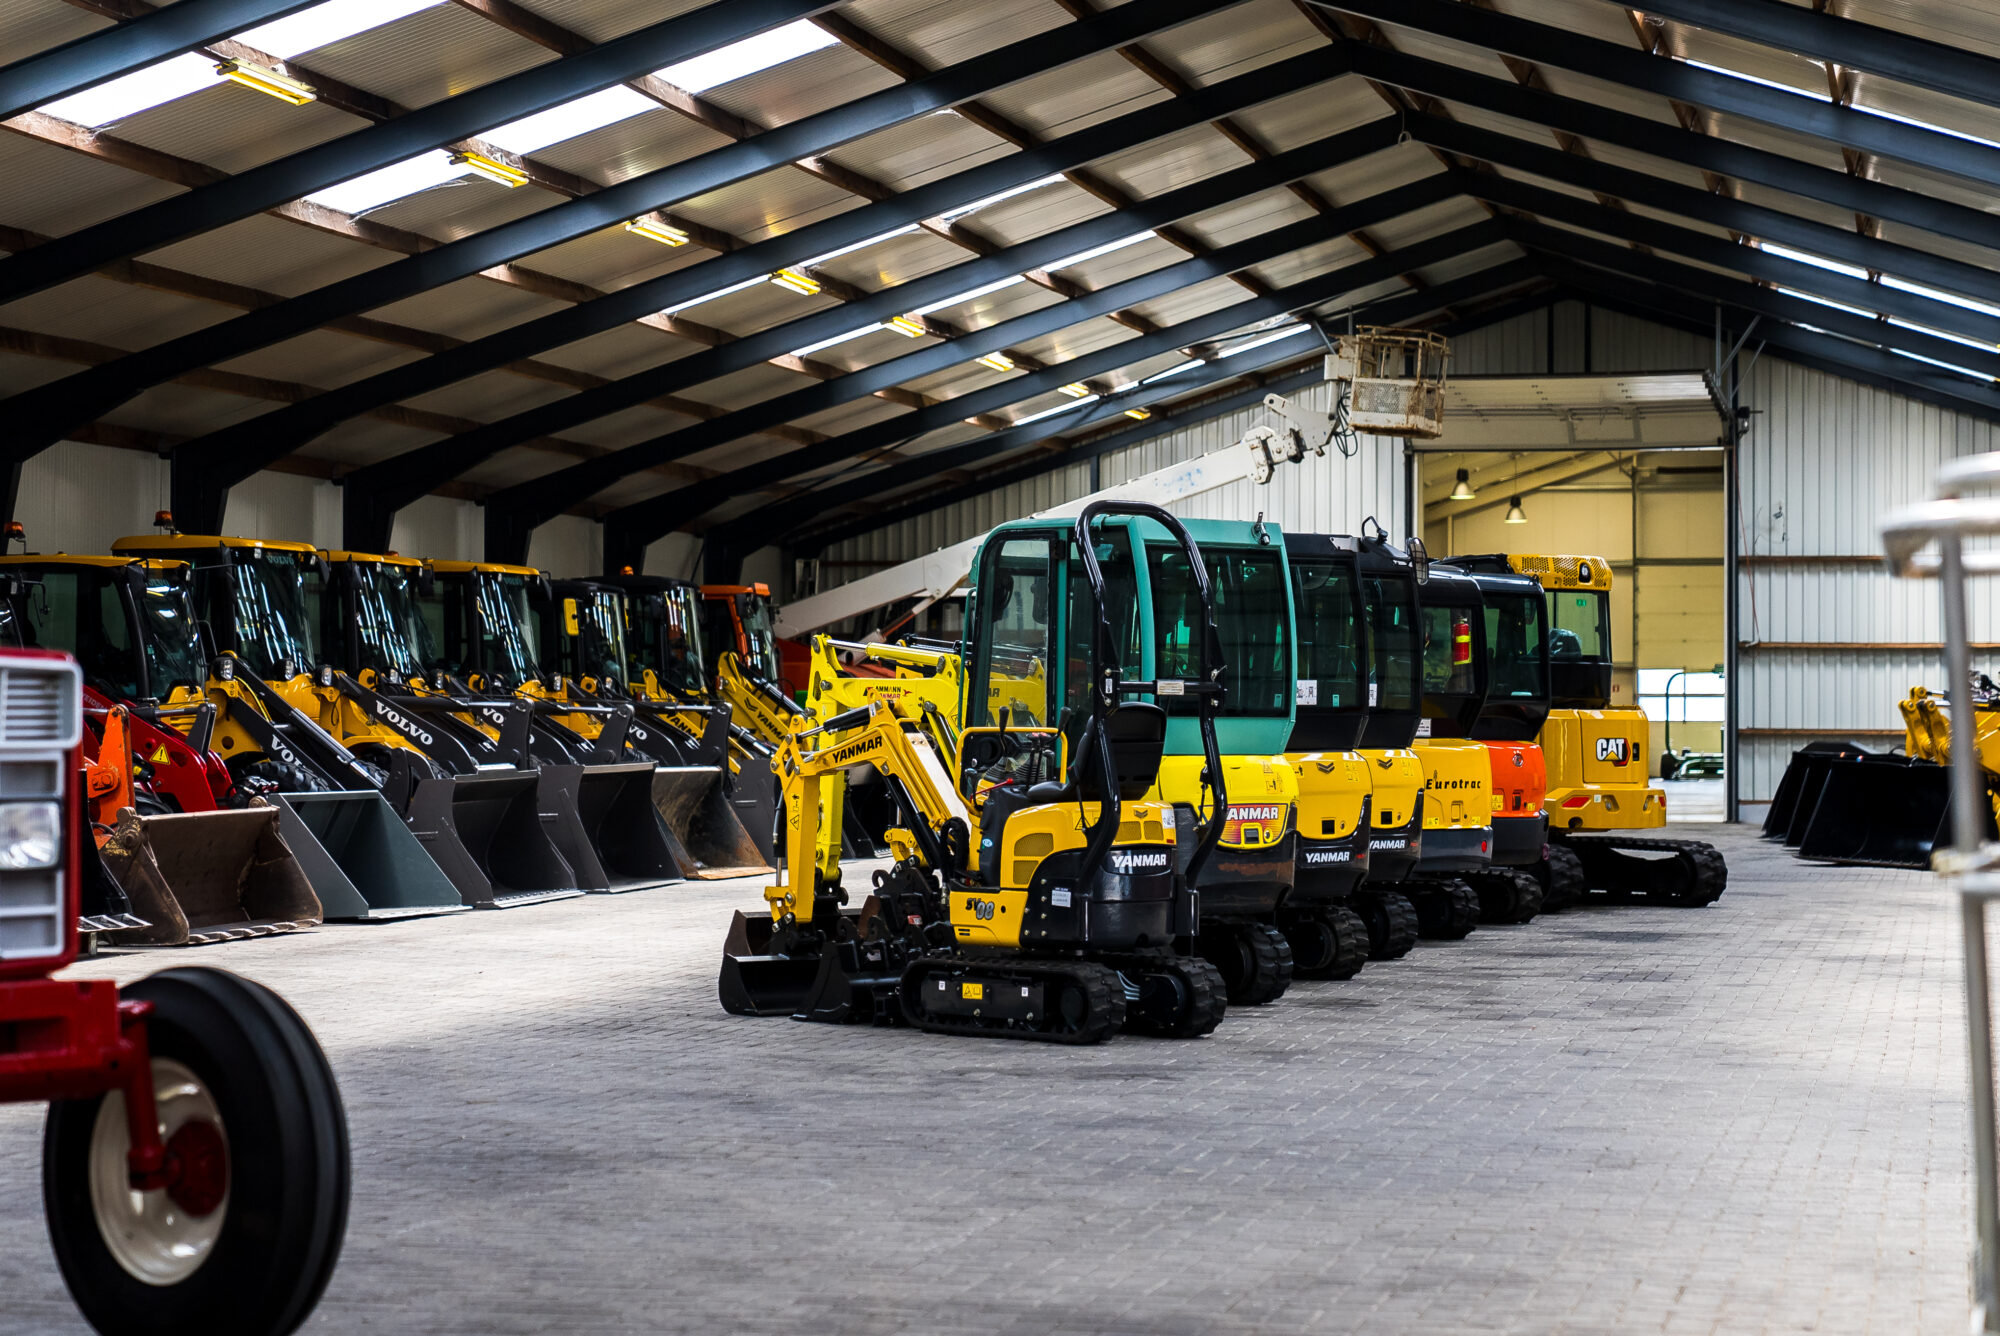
[(1506, 895), (1106, 995), (1350, 951), (1447, 908), (1391, 920), (1271, 962), (1205, 1009), (1562, 878), (1704, 873)]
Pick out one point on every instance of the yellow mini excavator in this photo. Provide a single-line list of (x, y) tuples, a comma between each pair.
[(1035, 894)]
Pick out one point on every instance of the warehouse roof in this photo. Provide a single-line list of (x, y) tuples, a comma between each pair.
[(781, 269)]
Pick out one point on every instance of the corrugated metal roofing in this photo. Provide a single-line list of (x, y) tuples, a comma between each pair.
[(31, 26)]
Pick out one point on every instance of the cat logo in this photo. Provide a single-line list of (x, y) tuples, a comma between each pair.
[(981, 909), (1613, 750)]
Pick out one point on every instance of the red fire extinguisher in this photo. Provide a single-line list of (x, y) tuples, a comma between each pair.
[(1461, 641)]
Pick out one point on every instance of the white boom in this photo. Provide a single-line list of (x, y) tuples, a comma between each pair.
[(936, 575)]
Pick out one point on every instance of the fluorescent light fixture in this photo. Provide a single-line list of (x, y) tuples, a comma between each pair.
[(859, 245), (1175, 370), (1051, 412), (838, 338), (1462, 489), (605, 107), (1515, 515), (323, 25), (950, 215), (1076, 389), (719, 292), (654, 228), (997, 361), (1138, 414), (908, 326), (491, 168), (268, 82), (1292, 333), (981, 291), (753, 54), (385, 184), (1940, 295), (1817, 261), (1096, 251), (803, 284), (135, 92)]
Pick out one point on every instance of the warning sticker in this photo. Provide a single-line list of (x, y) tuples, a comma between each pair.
[(159, 756), (1308, 691), (1059, 897), (1423, 728)]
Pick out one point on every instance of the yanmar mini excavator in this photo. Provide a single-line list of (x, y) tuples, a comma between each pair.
[(1037, 893)]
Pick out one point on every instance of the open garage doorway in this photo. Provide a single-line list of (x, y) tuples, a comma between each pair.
[(1629, 469)]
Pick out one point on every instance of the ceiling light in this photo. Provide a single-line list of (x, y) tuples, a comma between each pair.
[(751, 55), (490, 168), (803, 284), (1076, 389), (998, 361), (267, 81), (1138, 414), (908, 326), (1462, 490), (651, 228), (1515, 515)]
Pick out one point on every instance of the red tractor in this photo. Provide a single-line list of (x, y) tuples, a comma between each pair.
[(195, 1167)]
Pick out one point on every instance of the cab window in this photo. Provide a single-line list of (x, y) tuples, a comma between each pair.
[(1448, 650), (1248, 588), (1577, 624)]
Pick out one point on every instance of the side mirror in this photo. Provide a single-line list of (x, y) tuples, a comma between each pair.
[(1420, 557)]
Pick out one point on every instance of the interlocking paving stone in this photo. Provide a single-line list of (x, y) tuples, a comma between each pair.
[(1743, 1118)]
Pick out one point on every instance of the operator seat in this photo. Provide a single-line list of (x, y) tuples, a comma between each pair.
[(1138, 733)]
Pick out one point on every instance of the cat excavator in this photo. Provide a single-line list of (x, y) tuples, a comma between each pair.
[(1037, 892)]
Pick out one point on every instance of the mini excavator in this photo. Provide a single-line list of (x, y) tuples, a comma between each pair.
[(1035, 894)]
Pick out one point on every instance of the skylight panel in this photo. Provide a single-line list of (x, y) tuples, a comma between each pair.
[(1817, 261), (1928, 125), (859, 245), (130, 94), (607, 106), (1096, 251), (387, 184), (1817, 95), (1942, 334), (838, 338), (719, 292), (1067, 407), (1189, 365), (323, 25), (1006, 282), (1940, 295), (964, 209), (1948, 366), (749, 56), (1278, 337), (1838, 306)]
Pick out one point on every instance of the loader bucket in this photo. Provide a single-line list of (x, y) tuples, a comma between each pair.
[(703, 829), (753, 792), (755, 983), (490, 836), (200, 877), (1884, 811), (604, 822), (362, 861), (1806, 770)]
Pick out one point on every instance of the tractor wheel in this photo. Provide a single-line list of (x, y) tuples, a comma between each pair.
[(243, 1241)]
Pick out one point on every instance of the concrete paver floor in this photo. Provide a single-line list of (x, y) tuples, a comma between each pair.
[(1743, 1118)]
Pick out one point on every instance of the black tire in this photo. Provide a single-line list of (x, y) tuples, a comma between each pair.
[(288, 1169), (1254, 958), (1563, 882), (1391, 920)]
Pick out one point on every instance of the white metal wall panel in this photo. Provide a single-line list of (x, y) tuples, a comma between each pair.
[(82, 498)]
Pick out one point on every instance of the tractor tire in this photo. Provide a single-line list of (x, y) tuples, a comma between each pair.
[(1391, 920), (1447, 909), (244, 1242), (1254, 958), (1327, 943)]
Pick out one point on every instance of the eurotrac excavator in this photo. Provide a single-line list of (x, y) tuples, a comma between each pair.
[(488, 623), (287, 717), (1354, 665), (1598, 787), (1037, 893)]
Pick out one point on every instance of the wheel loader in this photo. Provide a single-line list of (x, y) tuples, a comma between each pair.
[(738, 619), (293, 724), (1037, 892), (1598, 789), (1354, 668)]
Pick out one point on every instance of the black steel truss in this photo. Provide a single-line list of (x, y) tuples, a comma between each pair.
[(41, 416), (513, 514), (100, 57), (410, 475)]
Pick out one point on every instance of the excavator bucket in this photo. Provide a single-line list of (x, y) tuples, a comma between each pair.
[(1884, 811), (703, 829), (1799, 787), (604, 822), (199, 877), (362, 861), (757, 983), (489, 834)]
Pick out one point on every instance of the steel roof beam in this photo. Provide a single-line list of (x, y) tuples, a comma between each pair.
[(636, 525), (1798, 113), (515, 513), (100, 57), (38, 417), (1773, 171), (1846, 42)]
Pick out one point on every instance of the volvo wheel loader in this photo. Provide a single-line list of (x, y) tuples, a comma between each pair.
[(1598, 787), (286, 720), (1037, 893), (1353, 667)]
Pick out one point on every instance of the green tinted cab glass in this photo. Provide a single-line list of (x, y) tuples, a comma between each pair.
[(1247, 585), (1514, 647), (1579, 624)]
